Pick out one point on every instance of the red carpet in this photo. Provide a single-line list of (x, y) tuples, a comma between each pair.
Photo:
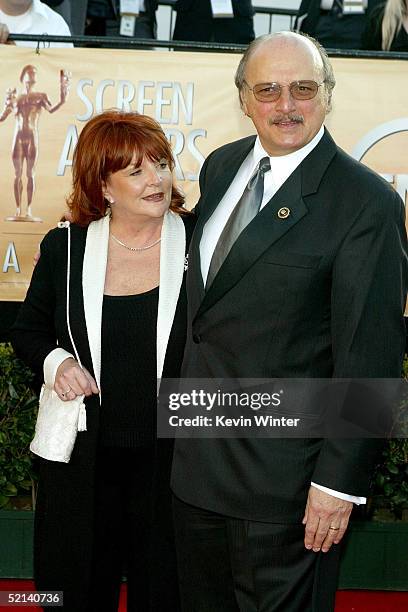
[(346, 601), (371, 601)]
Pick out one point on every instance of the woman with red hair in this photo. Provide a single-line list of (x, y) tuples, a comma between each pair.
[(124, 252)]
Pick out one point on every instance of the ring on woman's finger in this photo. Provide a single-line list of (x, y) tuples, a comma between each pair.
[(68, 390)]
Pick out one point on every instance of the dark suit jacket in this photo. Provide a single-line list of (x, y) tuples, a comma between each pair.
[(202, 8), (195, 22), (150, 7), (78, 16), (319, 294), (309, 13)]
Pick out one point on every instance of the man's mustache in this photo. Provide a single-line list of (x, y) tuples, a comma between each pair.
[(285, 119)]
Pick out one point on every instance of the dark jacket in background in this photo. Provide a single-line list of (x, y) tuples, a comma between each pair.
[(331, 31), (195, 22), (107, 9), (372, 36)]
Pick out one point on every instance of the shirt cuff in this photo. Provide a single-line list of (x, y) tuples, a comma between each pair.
[(51, 364), (351, 498)]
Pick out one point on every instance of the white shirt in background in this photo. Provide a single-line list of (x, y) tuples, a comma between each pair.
[(39, 19)]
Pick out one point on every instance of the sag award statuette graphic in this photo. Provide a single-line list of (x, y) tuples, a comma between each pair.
[(26, 109)]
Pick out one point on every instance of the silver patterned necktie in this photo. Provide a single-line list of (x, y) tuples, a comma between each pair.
[(246, 209)]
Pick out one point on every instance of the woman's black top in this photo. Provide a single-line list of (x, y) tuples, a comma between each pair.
[(128, 371), (372, 37)]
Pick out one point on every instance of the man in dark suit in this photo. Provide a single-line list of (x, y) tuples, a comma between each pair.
[(195, 21), (313, 287), (337, 24), (103, 18)]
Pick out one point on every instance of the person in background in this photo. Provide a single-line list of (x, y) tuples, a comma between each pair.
[(30, 17), (387, 27), (103, 18), (111, 502), (195, 21), (336, 24)]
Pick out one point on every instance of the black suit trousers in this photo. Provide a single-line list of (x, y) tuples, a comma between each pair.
[(227, 564)]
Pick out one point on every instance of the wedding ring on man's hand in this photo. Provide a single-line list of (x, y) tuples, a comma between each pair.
[(335, 528)]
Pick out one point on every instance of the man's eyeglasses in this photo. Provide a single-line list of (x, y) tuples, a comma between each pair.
[(270, 92)]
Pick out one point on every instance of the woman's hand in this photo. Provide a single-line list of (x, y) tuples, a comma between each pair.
[(71, 380)]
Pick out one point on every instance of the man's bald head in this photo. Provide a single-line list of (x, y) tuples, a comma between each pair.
[(285, 82), (288, 40)]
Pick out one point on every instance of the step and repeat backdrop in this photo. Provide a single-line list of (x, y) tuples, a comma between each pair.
[(46, 98)]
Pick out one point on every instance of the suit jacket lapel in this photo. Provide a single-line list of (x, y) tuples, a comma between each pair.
[(172, 255), (93, 284), (266, 228), (315, 164), (221, 178)]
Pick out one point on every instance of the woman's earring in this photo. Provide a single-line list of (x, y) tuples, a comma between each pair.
[(110, 200)]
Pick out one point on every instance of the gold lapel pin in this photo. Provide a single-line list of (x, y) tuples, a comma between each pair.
[(284, 212)]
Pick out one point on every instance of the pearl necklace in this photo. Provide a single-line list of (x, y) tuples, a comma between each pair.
[(129, 248)]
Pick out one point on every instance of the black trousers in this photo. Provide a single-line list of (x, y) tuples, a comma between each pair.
[(133, 535), (234, 565)]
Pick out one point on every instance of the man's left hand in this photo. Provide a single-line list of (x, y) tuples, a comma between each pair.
[(326, 519)]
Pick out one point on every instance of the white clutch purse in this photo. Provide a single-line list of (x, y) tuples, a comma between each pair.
[(59, 421), (57, 425)]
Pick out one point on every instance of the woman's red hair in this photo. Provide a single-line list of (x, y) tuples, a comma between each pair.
[(108, 143)]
